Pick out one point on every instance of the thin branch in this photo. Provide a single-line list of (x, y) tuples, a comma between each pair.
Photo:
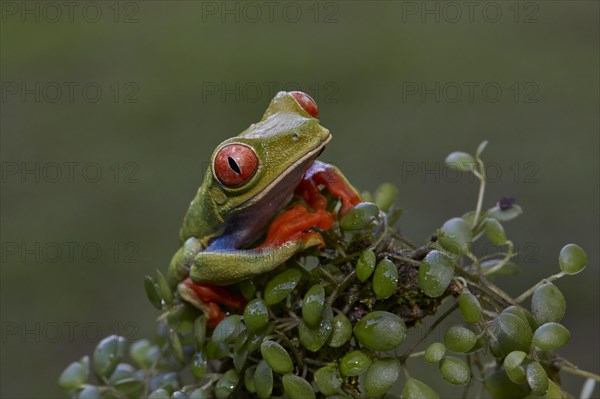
[(429, 331), (481, 177), (530, 291), (582, 373)]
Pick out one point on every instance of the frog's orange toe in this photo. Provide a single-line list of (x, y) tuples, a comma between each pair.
[(208, 297)]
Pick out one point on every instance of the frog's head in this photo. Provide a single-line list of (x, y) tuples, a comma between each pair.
[(267, 160)]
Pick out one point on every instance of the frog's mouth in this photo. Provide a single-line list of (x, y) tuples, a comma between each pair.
[(286, 183)]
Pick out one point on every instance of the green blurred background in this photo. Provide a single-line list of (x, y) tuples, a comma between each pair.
[(157, 85)]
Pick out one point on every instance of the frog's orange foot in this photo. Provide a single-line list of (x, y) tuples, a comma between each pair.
[(334, 182), (311, 194), (208, 298), (293, 226)]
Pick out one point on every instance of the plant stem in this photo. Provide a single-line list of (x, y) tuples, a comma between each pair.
[(341, 287), (530, 291), (405, 259), (500, 265), (429, 331), (481, 176), (295, 352), (487, 287), (582, 373)]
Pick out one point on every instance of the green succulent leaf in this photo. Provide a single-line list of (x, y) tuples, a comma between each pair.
[(480, 148), (459, 339), (312, 305), (276, 357), (455, 370), (75, 374), (365, 264), (415, 389), (153, 292), (159, 394), (280, 286), (435, 352), (109, 352), (263, 380), (341, 331), (499, 386), (355, 363), (522, 314), (226, 384), (572, 259), (385, 196), (469, 306), (548, 304), (138, 352), (381, 375), (380, 331), (456, 236), (494, 231), (328, 380), (297, 387), (514, 368), (461, 161), (199, 365), (89, 392), (359, 217), (537, 378), (551, 336), (510, 333), (435, 273), (385, 279), (256, 314), (313, 338)]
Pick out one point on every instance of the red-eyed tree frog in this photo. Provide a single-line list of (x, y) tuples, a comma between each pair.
[(252, 178)]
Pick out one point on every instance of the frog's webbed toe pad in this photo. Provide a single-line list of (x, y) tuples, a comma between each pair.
[(208, 297)]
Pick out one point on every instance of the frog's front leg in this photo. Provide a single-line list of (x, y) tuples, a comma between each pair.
[(287, 235)]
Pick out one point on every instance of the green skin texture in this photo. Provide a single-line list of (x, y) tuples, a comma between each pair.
[(222, 221)]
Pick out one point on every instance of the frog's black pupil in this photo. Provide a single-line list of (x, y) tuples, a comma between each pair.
[(234, 166)]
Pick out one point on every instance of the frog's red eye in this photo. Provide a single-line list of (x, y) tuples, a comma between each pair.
[(306, 102), (235, 164)]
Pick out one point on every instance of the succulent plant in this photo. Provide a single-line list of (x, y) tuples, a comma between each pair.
[(338, 329)]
